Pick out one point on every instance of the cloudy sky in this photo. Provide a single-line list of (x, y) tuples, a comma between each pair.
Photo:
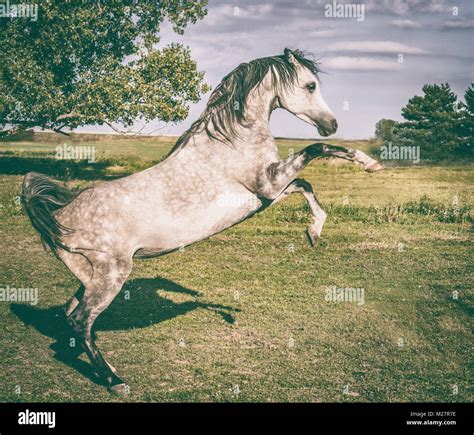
[(364, 79)]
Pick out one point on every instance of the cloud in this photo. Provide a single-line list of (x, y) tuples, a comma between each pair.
[(458, 25), (382, 47), (402, 7), (390, 7), (347, 63), (405, 24), (323, 33), (223, 15)]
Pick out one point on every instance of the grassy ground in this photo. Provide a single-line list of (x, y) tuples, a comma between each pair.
[(243, 316)]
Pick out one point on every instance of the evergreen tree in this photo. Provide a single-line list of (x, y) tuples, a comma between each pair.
[(431, 123), (466, 122)]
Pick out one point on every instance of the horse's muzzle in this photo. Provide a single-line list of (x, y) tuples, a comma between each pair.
[(327, 129)]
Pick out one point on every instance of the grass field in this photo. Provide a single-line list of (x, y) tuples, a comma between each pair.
[(243, 316)]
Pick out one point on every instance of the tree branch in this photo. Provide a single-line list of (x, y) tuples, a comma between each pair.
[(68, 116), (59, 130), (132, 133)]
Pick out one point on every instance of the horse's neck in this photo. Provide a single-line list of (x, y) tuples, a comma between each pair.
[(257, 115), (254, 133), (253, 141)]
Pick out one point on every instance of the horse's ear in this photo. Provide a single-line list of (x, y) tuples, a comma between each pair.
[(290, 56)]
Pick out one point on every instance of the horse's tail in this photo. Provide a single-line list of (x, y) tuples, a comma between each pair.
[(41, 198)]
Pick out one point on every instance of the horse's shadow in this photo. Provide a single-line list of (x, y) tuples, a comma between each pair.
[(138, 305)]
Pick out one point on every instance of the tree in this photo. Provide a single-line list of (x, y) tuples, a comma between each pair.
[(465, 126), (431, 122), (384, 129), (97, 62)]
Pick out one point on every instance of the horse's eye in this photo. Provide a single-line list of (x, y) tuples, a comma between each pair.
[(311, 87)]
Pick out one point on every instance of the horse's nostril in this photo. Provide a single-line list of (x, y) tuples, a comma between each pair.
[(334, 125)]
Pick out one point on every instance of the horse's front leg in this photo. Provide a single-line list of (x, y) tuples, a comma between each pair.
[(277, 177), (278, 180), (351, 154), (274, 178), (318, 214)]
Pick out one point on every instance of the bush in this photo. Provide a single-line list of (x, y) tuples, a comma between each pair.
[(384, 129)]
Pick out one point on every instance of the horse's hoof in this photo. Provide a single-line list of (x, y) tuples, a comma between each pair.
[(374, 167), (120, 389), (312, 236)]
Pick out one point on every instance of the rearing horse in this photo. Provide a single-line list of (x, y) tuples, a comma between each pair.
[(223, 170)]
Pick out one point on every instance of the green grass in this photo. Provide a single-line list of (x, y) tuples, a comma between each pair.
[(243, 316)]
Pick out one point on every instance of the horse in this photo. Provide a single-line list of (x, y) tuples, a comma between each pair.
[(221, 171)]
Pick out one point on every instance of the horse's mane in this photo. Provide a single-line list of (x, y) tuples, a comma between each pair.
[(226, 105)]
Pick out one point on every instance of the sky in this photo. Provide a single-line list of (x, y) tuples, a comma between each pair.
[(372, 62)]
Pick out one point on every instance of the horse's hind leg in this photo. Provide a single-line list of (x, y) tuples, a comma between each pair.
[(72, 303), (109, 276)]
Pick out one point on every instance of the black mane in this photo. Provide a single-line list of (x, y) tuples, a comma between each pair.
[(226, 105)]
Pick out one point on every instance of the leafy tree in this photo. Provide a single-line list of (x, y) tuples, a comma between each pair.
[(384, 129), (97, 62)]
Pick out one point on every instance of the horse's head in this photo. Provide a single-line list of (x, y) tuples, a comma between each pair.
[(303, 98)]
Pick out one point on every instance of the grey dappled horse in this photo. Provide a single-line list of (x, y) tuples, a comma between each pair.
[(223, 170)]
